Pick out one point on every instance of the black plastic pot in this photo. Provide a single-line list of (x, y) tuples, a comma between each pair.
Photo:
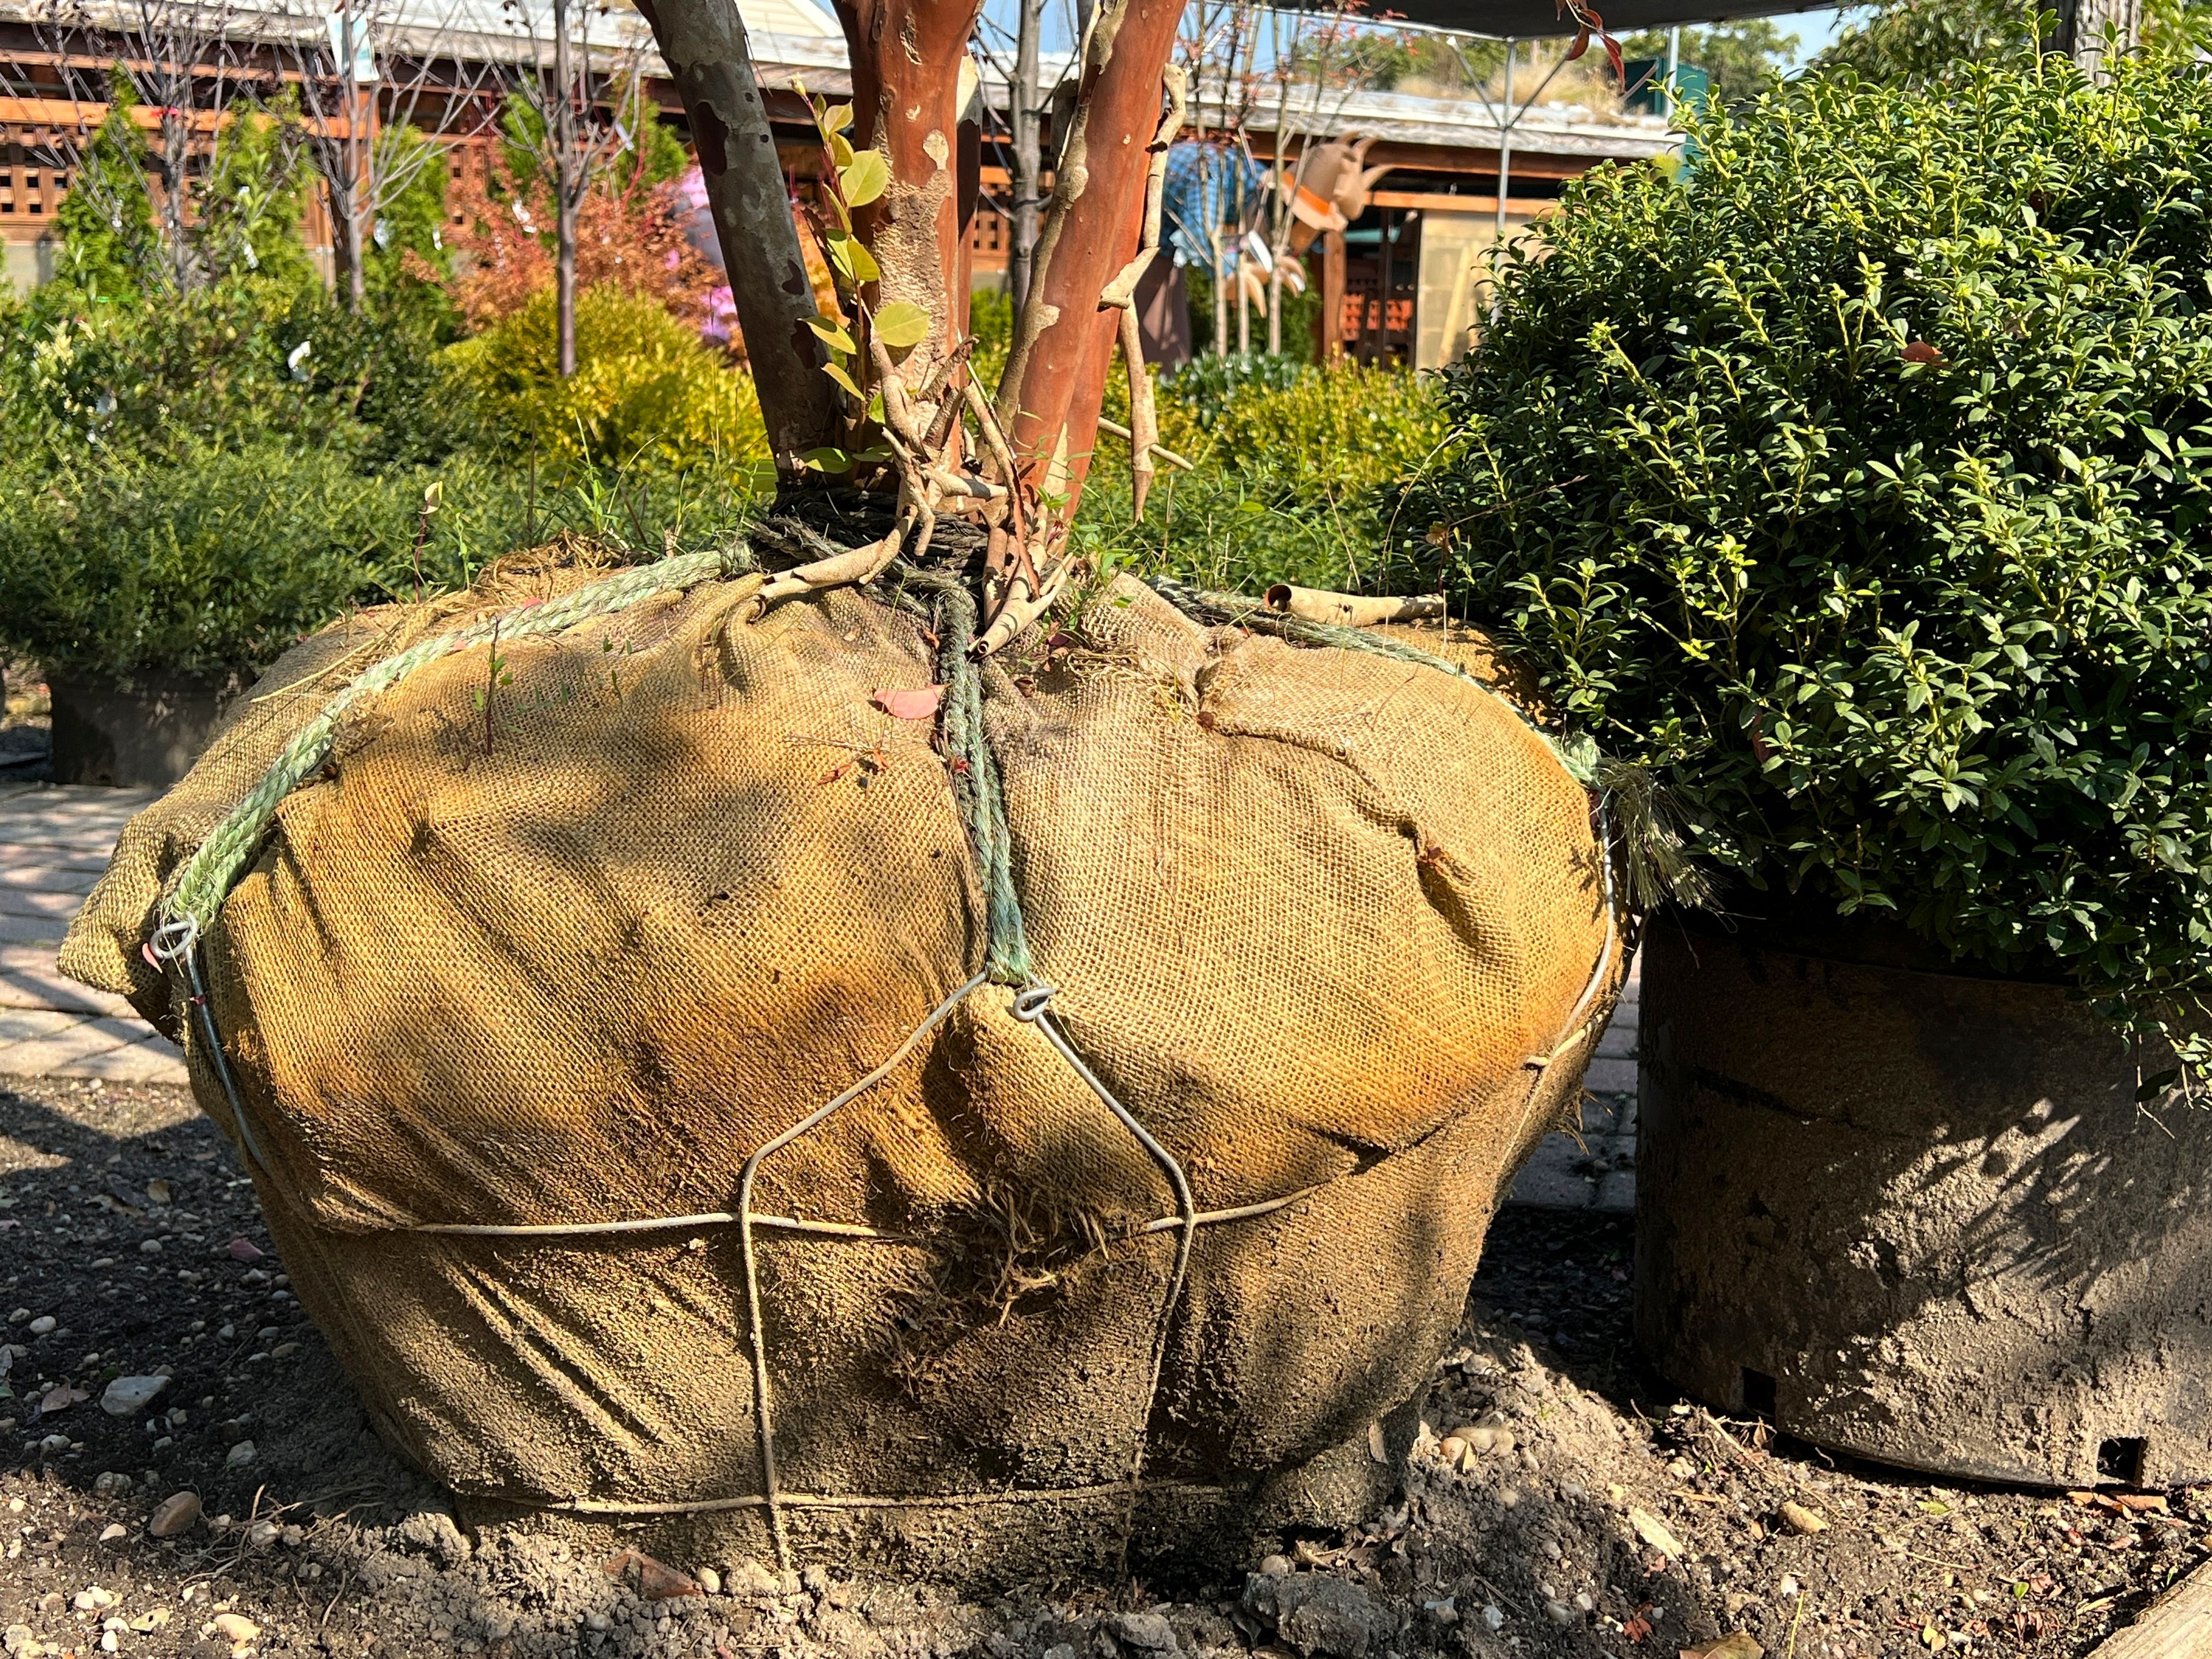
[(1916, 1214), (144, 732)]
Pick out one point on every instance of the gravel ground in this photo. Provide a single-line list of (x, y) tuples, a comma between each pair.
[(1586, 1512)]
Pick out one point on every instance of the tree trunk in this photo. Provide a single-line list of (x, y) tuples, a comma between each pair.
[(906, 57), (1026, 97), (565, 191), (1056, 373), (703, 44), (2082, 25)]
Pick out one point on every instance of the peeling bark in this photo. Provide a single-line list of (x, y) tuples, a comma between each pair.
[(907, 56), (1056, 374)]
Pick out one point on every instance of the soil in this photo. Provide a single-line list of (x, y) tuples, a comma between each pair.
[(1605, 1516)]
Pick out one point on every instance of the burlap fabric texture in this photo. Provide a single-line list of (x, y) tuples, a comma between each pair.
[(566, 929)]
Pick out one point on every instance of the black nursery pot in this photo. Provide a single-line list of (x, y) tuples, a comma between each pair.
[(1916, 1213), (142, 732)]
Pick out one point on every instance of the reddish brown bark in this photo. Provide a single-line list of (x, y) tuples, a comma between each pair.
[(1056, 375), (906, 57)]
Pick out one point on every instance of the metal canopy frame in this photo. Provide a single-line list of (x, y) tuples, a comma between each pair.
[(1539, 20)]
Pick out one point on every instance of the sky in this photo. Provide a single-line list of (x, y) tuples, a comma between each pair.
[(1813, 30)]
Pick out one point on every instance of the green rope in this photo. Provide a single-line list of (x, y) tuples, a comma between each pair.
[(978, 789), (1576, 754), (214, 868)]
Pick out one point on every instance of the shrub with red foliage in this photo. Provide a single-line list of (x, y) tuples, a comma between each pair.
[(632, 235)]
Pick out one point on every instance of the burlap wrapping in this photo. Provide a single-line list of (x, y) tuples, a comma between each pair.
[(1332, 926)]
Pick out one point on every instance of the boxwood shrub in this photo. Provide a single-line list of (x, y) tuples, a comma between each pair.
[(1857, 481)]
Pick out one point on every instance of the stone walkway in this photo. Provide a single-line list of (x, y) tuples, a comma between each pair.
[(53, 844), (1598, 1172)]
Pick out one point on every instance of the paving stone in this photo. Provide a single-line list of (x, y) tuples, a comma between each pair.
[(1608, 1077), (1616, 1193), (32, 930), (1619, 1042), (1549, 1180), (30, 901), (49, 876), (40, 1056), (21, 1025), (30, 979), (158, 1061)]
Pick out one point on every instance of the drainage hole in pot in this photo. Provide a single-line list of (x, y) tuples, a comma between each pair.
[(2120, 1461), (1758, 1393)]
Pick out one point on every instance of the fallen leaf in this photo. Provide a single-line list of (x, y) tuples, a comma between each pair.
[(1653, 1531), (1736, 1644), (1931, 1637), (1932, 1506), (245, 1249), (2140, 1503), (917, 704), (157, 1190), (1375, 1448), (1919, 351), (60, 1398), (659, 1582), (1636, 1628)]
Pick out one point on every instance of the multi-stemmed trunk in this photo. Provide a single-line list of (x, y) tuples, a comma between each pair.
[(906, 57)]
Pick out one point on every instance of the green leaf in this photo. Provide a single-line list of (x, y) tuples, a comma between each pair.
[(836, 372), (836, 117), (827, 459), (902, 324), (841, 150), (867, 176), (831, 331), (865, 268)]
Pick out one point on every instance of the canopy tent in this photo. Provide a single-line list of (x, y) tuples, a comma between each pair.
[(1531, 20)]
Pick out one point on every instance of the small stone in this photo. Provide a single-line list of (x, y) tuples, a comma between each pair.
[(126, 1396), (93, 1598), (1682, 1468), (43, 1325), (1275, 1566), (597, 1621), (157, 1191), (261, 1533), (1560, 1613), (110, 1642), (1507, 1497), (1144, 1633), (245, 1249), (53, 1445), (1493, 1617), (1801, 1521), (709, 1581), (149, 1247), (239, 1455), (1787, 1589), (750, 1578), (20, 1642), (1586, 1602), (173, 1514), (114, 1530), (234, 1628), (1445, 1612), (110, 1484), (1452, 1450), (292, 1537)]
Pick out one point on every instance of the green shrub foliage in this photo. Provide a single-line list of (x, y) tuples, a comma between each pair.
[(1858, 486)]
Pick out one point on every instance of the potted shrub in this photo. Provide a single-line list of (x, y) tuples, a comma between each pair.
[(1853, 484), (153, 591)]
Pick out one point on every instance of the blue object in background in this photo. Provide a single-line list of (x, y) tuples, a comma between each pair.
[(1192, 206)]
